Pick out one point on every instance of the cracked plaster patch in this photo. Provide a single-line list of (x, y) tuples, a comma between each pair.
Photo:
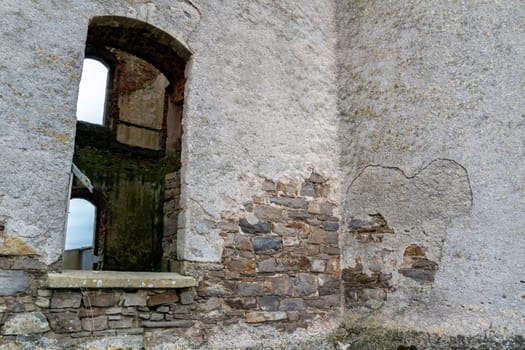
[(387, 212)]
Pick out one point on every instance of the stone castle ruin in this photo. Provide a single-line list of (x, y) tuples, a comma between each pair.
[(268, 174)]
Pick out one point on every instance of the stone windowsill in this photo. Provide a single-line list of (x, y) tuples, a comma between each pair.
[(118, 279)]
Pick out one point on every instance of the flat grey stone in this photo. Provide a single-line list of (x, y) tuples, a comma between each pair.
[(26, 323), (12, 282)]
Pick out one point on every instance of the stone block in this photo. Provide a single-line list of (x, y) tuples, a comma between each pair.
[(105, 333), (156, 316), (210, 305), (300, 214), (314, 208), (172, 180), (187, 296), (268, 186), (99, 299), (266, 243), (291, 241), (283, 230), (330, 250), (267, 266), (292, 304), (241, 242), (260, 227), (268, 303), (5, 263), (280, 285), (135, 299), (62, 300), (287, 188), (43, 302), (130, 311), (242, 303), (167, 324), (64, 322), (264, 316), (164, 298), (268, 213), (305, 284), (295, 203), (308, 189), (249, 288), (322, 190), (332, 266), (164, 309), (292, 263), (130, 331), (28, 263), (316, 178), (80, 334), (330, 226), (327, 208), (328, 285), (91, 312), (44, 292), (211, 289), (325, 301), (125, 322), (12, 282), (25, 324), (241, 265), (113, 311), (318, 265), (321, 236), (15, 306), (95, 323)]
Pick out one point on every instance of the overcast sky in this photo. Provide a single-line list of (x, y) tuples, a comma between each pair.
[(92, 92), (90, 108), (80, 224)]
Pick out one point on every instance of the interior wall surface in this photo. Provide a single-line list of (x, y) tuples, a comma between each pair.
[(431, 131)]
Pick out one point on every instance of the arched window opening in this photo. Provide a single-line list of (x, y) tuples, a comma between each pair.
[(91, 103), (80, 235), (133, 161)]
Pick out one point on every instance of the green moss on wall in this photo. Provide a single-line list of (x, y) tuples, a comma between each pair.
[(134, 191)]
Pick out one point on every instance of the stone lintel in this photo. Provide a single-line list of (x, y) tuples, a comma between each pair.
[(118, 279)]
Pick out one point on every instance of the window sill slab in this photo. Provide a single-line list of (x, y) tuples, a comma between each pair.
[(118, 279)]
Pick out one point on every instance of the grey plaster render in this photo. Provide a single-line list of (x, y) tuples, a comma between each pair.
[(420, 81)]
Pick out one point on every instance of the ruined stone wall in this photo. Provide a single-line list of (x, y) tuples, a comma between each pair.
[(263, 83), (259, 109), (362, 155), (431, 125)]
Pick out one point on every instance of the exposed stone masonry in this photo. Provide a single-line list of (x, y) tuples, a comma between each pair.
[(281, 259), (280, 266)]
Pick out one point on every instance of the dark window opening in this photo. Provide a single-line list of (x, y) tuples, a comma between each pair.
[(133, 157)]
